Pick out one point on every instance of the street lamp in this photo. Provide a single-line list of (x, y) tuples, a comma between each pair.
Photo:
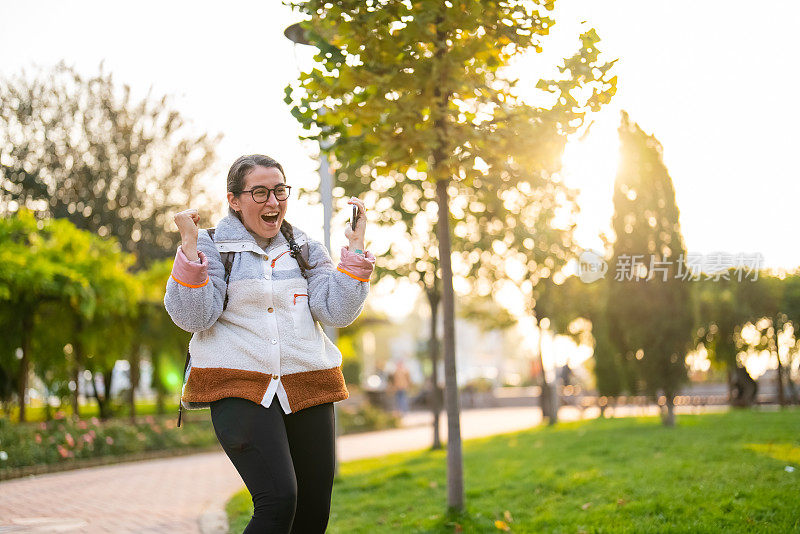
[(296, 34)]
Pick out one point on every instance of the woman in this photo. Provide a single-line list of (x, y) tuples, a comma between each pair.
[(257, 338)]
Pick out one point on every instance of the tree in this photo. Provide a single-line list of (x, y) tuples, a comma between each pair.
[(415, 88), (32, 272), (726, 303), (649, 304), (83, 149), (770, 301), (791, 306), (100, 333), (414, 257), (50, 346), (722, 311), (574, 299), (50, 270)]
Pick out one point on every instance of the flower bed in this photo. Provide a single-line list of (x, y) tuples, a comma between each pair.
[(66, 440), (66, 443)]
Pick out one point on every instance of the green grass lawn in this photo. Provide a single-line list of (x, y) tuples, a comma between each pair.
[(711, 473)]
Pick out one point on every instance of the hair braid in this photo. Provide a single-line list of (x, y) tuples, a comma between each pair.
[(288, 233)]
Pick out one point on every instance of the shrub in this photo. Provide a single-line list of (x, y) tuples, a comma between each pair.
[(365, 418), (64, 439)]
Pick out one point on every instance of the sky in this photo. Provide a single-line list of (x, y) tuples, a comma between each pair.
[(712, 80)]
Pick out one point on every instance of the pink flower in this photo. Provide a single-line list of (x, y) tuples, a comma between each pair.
[(88, 438), (109, 440), (62, 451), (93, 433), (82, 425), (38, 438), (42, 426), (70, 439), (94, 420), (149, 419)]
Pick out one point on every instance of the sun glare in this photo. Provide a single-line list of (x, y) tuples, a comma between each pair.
[(589, 163)]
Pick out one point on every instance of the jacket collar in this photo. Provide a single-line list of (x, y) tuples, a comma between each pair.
[(230, 231)]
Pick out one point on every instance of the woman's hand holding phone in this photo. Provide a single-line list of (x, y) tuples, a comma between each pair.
[(358, 224)]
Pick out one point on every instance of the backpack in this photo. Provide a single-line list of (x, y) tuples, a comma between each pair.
[(227, 260)]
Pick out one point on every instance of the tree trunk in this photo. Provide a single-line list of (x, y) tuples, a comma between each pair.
[(96, 394), (77, 361), (103, 401), (133, 374), (108, 376), (792, 387), (48, 411), (668, 418), (548, 397), (781, 393), (455, 476), (159, 387), (74, 395), (544, 399), (731, 382), (24, 363), (433, 348)]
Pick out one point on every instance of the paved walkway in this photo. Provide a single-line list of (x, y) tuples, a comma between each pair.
[(165, 496), (178, 495)]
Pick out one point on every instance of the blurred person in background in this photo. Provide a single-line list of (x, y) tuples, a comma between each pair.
[(401, 381)]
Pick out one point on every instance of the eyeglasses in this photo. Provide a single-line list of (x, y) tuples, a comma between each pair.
[(261, 194)]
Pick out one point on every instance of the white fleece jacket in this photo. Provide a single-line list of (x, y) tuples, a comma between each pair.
[(268, 341)]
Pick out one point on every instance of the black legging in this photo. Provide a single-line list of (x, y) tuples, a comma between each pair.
[(285, 460)]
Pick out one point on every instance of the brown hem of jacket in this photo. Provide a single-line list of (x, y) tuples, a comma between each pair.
[(310, 388), (305, 389)]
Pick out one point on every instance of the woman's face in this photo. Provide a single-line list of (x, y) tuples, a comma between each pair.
[(261, 219)]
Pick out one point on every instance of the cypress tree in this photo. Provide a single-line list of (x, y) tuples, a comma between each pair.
[(649, 308)]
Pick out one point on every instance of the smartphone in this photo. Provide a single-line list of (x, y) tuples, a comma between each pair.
[(354, 218)]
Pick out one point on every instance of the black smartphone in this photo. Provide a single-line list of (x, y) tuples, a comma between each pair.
[(354, 218)]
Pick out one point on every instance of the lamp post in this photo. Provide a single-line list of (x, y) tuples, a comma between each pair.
[(296, 34)]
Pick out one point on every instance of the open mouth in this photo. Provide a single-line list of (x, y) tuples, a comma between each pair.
[(270, 218)]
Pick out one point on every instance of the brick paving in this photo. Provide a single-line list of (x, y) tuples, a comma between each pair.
[(165, 496)]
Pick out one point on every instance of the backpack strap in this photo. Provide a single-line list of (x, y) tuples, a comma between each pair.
[(227, 260)]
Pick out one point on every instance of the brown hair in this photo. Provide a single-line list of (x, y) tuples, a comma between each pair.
[(236, 175)]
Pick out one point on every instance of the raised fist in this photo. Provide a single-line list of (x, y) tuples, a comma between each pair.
[(187, 225)]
